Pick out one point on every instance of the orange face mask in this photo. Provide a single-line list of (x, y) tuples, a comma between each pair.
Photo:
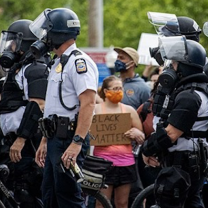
[(114, 96)]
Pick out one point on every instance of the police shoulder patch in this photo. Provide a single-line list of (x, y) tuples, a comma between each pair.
[(81, 66)]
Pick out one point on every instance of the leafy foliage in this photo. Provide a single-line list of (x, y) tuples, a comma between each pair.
[(124, 21)]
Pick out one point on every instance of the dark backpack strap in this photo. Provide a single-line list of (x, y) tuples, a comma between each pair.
[(145, 110)]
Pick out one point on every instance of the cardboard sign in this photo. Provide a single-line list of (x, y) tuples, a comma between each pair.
[(108, 129)]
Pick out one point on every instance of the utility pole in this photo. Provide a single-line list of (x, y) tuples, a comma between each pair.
[(95, 33)]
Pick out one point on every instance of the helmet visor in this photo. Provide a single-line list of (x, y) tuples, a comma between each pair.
[(173, 48), (205, 28), (10, 41), (161, 20), (41, 25)]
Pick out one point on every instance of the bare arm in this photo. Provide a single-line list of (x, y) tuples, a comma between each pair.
[(41, 152), (87, 101), (87, 105), (173, 132), (147, 70), (17, 146), (136, 132), (39, 101)]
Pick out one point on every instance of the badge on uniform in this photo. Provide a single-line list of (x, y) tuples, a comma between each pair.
[(59, 68), (81, 66)]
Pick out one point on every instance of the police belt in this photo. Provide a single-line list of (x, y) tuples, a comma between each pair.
[(56, 126), (180, 158), (189, 161)]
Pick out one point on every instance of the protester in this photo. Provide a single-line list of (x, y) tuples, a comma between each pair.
[(136, 91), (123, 173)]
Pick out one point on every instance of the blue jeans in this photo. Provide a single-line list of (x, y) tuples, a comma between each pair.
[(60, 189)]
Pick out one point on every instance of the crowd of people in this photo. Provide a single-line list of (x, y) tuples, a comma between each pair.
[(47, 106)]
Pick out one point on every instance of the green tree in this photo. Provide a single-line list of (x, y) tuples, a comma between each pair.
[(124, 21), (12, 10)]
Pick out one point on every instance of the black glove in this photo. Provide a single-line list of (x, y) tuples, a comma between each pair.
[(157, 143)]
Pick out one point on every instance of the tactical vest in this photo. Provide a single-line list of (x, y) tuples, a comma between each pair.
[(202, 87), (12, 95)]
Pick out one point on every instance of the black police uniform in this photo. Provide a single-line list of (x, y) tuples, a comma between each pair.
[(25, 78), (16, 109), (182, 104), (190, 98)]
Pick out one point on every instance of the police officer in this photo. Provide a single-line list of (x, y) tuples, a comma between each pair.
[(179, 142), (70, 102), (22, 102), (176, 26)]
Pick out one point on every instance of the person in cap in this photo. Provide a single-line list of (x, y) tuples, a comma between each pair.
[(136, 91)]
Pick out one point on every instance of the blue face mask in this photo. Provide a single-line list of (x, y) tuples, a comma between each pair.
[(120, 66)]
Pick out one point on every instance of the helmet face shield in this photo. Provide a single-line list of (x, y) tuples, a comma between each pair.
[(10, 41), (53, 28), (173, 48), (164, 20), (41, 25), (205, 28), (49, 21)]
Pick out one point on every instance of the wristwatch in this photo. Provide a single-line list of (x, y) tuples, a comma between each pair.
[(77, 140)]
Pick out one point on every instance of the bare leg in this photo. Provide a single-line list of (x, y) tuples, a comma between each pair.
[(108, 193), (122, 195)]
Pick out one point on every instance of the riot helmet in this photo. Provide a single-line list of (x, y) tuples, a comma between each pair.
[(187, 27), (165, 24), (161, 21), (190, 55), (15, 42), (195, 61), (53, 28), (22, 26), (169, 25), (196, 54)]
